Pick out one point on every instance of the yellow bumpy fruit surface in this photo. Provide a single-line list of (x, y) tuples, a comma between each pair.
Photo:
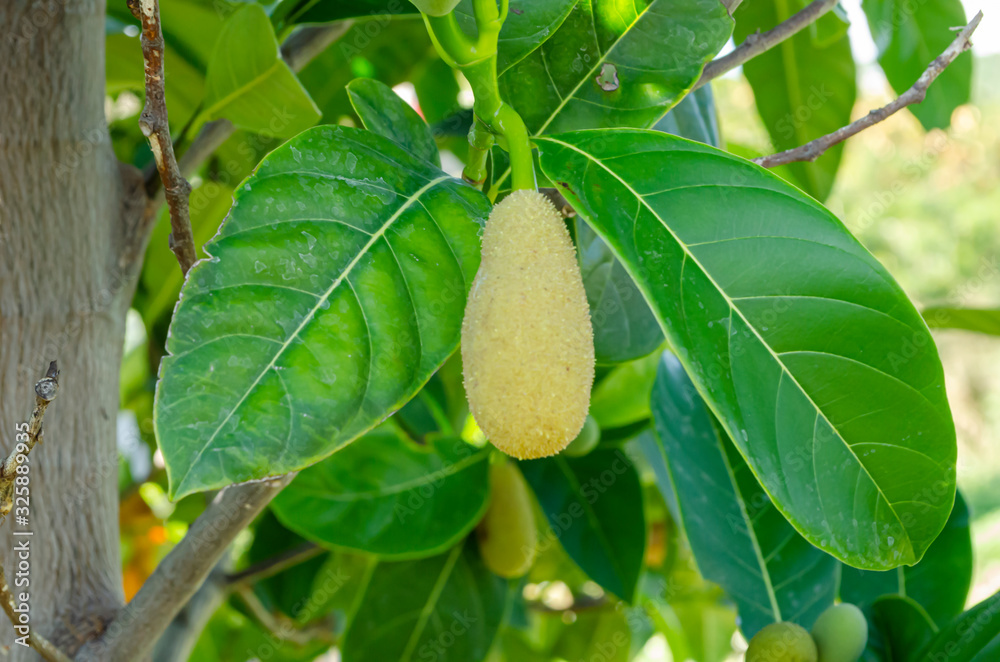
[(782, 642), (527, 341), (508, 539)]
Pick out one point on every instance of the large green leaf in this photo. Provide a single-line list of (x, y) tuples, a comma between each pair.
[(594, 506), (739, 539), (389, 496), (966, 635), (446, 608), (909, 36), (939, 583), (801, 343), (250, 85), (336, 287), (803, 90), (982, 320), (383, 112), (615, 64)]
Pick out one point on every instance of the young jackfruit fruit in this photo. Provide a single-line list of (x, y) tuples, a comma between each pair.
[(527, 341), (508, 539), (840, 633), (782, 642)]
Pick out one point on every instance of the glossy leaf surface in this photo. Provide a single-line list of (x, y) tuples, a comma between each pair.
[(739, 539), (446, 608), (388, 496), (336, 287), (939, 583), (594, 507), (802, 344), (383, 112), (613, 63)]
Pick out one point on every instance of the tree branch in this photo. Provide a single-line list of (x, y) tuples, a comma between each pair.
[(45, 392), (760, 42), (813, 149), (154, 125), (135, 629)]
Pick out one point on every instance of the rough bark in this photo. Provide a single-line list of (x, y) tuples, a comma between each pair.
[(64, 292)]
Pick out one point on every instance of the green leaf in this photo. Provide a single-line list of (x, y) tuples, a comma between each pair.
[(528, 24), (908, 38), (985, 320), (617, 64), (383, 112), (250, 85), (285, 590), (446, 608), (801, 343), (624, 326), (902, 628), (966, 635), (694, 118), (388, 496), (939, 583), (594, 506), (336, 287), (739, 539), (621, 397), (802, 91)]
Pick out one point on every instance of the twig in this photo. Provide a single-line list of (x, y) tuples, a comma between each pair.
[(45, 392), (282, 627), (154, 125), (42, 646), (135, 629), (757, 43), (813, 149), (274, 565)]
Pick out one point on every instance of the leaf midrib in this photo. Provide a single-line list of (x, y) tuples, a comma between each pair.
[(311, 314), (432, 599), (734, 308)]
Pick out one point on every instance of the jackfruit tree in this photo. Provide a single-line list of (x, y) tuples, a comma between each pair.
[(474, 331)]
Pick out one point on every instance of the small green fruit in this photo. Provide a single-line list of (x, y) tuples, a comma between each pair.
[(586, 441), (435, 7), (782, 642), (841, 633), (508, 539)]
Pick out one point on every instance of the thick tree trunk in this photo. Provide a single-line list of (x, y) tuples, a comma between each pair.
[(63, 295)]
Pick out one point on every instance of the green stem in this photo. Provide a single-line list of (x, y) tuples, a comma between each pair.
[(480, 142), (478, 61)]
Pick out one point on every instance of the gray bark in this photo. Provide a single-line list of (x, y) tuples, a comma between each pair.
[(64, 291)]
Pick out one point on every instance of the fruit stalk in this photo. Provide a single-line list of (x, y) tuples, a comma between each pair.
[(477, 59)]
